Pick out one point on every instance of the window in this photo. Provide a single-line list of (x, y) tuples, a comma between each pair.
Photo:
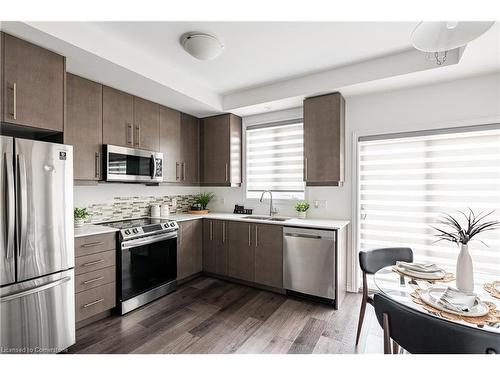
[(407, 181), (274, 160)]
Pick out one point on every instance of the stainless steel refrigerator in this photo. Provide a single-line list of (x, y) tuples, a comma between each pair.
[(37, 312)]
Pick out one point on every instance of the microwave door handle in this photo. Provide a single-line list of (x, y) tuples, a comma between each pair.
[(152, 165)]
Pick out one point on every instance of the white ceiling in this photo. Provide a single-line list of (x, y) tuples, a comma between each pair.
[(266, 66), (258, 53)]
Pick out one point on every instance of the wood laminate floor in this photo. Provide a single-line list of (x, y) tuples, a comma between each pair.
[(208, 315)]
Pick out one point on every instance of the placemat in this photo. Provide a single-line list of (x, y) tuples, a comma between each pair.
[(493, 316), (491, 290)]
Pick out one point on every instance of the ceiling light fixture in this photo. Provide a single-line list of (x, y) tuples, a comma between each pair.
[(437, 38), (201, 46)]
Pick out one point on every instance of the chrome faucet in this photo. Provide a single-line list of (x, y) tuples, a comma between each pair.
[(272, 210)]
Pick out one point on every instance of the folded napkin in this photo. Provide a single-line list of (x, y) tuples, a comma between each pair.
[(419, 267), (456, 300)]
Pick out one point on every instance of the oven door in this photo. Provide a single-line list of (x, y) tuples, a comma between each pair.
[(146, 263), (132, 165)]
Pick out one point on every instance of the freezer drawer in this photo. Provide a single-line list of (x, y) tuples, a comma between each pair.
[(38, 316), (309, 261)]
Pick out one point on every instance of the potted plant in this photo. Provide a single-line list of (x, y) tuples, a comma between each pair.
[(302, 207), (461, 235), (80, 215), (201, 202)]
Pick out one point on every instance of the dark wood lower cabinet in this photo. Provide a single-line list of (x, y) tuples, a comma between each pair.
[(241, 251), (269, 255), (189, 249), (215, 247)]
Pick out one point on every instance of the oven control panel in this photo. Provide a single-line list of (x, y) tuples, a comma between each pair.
[(150, 229)]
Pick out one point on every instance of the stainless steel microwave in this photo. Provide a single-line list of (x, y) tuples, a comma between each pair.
[(123, 164)]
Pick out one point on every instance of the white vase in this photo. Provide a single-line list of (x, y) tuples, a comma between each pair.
[(302, 215), (79, 223), (465, 271)]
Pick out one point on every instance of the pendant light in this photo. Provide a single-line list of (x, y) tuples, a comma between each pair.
[(437, 38)]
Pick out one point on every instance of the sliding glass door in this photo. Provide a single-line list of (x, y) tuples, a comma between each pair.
[(406, 181)]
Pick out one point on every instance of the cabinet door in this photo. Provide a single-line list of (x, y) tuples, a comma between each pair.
[(215, 150), (170, 143), (190, 145), (183, 251), (146, 124), (241, 251), (221, 247), (34, 80), (208, 246), (117, 117), (83, 128), (197, 245), (269, 255), (324, 140)]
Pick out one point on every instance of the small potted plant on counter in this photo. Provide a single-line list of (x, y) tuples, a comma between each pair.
[(80, 215), (201, 202), (302, 207)]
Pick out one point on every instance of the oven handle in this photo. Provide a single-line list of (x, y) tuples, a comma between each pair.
[(148, 240)]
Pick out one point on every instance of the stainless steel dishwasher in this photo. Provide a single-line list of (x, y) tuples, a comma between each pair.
[(309, 261)]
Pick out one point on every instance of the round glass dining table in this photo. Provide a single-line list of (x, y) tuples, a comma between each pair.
[(399, 289)]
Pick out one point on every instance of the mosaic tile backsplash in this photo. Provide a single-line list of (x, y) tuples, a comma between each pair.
[(131, 207)]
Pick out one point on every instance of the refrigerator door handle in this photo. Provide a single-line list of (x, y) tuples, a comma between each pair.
[(34, 290), (11, 207), (23, 211)]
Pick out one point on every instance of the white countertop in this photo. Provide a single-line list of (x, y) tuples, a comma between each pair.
[(305, 223), (329, 224), (93, 229)]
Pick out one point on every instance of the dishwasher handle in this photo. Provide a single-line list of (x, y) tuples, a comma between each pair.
[(303, 235)]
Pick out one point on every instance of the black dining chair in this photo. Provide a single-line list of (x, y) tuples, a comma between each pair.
[(370, 261), (420, 333)]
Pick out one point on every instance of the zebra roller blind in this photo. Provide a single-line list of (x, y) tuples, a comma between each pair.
[(274, 160), (407, 181)]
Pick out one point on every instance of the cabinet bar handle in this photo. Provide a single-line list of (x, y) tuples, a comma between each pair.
[(137, 135), (93, 303), (305, 169), (14, 101), (93, 280), (256, 236), (92, 244), (211, 231), (176, 170), (226, 173), (129, 133), (92, 263), (249, 235), (223, 231), (96, 165), (183, 171)]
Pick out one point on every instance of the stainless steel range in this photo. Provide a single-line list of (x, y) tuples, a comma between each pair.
[(147, 261)]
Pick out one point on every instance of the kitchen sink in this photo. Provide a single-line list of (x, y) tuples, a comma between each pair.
[(267, 218)]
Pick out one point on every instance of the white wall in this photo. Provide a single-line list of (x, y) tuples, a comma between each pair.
[(456, 103)]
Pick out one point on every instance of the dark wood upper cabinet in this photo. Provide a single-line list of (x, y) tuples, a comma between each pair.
[(146, 124), (221, 150), (324, 133), (190, 149), (33, 85), (83, 128), (117, 117), (170, 143), (269, 255), (180, 144)]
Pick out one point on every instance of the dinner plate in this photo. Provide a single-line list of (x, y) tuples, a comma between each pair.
[(422, 275), (431, 296)]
